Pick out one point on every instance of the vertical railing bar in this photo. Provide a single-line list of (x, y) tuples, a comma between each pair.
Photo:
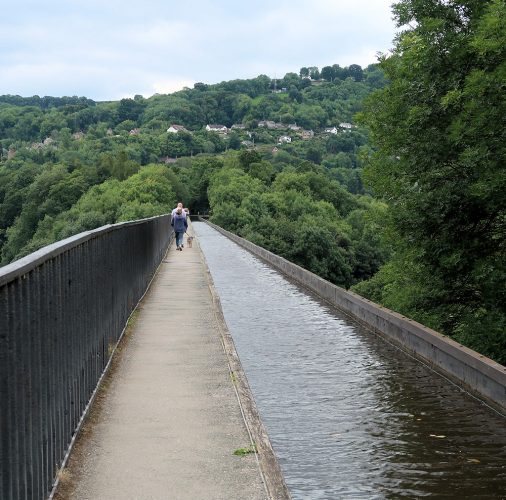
[(79, 328), (53, 365), (44, 379), (31, 366), (37, 382), (60, 349), (73, 333), (6, 371), (37, 378)]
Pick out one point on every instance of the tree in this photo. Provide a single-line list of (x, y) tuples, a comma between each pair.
[(294, 94), (227, 189), (440, 164), (327, 73), (290, 79), (356, 72), (262, 170), (130, 109), (338, 72), (314, 154), (314, 73), (234, 141), (304, 72), (119, 165), (247, 157)]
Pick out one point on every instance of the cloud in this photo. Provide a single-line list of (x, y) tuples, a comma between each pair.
[(161, 34), (106, 49), (168, 86)]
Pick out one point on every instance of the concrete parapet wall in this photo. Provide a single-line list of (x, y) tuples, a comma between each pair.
[(474, 372)]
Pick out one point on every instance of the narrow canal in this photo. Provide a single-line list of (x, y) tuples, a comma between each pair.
[(349, 415)]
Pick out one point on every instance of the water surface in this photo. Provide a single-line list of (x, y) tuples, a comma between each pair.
[(349, 416)]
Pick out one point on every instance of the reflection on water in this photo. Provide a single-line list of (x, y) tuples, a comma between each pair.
[(350, 416)]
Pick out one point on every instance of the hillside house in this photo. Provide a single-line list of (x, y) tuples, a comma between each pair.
[(167, 160), (284, 139), (346, 126), (293, 126), (331, 130), (174, 129), (135, 131), (78, 135), (220, 129), (238, 126), (307, 134)]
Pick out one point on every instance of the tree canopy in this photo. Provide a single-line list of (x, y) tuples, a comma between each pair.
[(439, 128)]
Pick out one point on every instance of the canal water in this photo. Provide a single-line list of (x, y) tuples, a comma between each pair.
[(349, 416)]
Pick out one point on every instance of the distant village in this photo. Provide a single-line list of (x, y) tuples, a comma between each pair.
[(291, 131), (271, 125)]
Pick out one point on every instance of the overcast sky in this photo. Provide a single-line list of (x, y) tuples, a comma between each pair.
[(110, 49)]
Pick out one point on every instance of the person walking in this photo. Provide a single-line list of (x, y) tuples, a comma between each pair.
[(180, 224), (179, 205)]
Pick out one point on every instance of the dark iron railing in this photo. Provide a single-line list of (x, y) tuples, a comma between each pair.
[(62, 311)]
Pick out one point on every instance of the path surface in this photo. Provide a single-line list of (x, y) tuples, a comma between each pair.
[(170, 420)]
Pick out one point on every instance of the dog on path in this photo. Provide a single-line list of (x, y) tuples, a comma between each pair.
[(189, 240)]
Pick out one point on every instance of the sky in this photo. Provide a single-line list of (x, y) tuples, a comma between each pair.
[(111, 49)]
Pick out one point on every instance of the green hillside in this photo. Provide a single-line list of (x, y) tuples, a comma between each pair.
[(71, 164), (389, 179)]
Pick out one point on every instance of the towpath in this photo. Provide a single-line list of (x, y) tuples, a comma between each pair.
[(167, 422)]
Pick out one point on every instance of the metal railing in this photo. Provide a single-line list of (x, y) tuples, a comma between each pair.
[(62, 311)]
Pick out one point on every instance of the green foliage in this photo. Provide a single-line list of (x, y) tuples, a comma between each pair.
[(240, 452), (440, 165), (144, 194), (305, 217)]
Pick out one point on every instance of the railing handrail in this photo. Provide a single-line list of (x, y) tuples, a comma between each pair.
[(24, 265)]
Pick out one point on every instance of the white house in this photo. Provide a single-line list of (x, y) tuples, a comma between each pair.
[(217, 128), (331, 130), (174, 129), (346, 125), (168, 159), (284, 139), (238, 126)]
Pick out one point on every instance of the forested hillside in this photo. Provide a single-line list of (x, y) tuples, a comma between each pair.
[(71, 164), (389, 179)]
